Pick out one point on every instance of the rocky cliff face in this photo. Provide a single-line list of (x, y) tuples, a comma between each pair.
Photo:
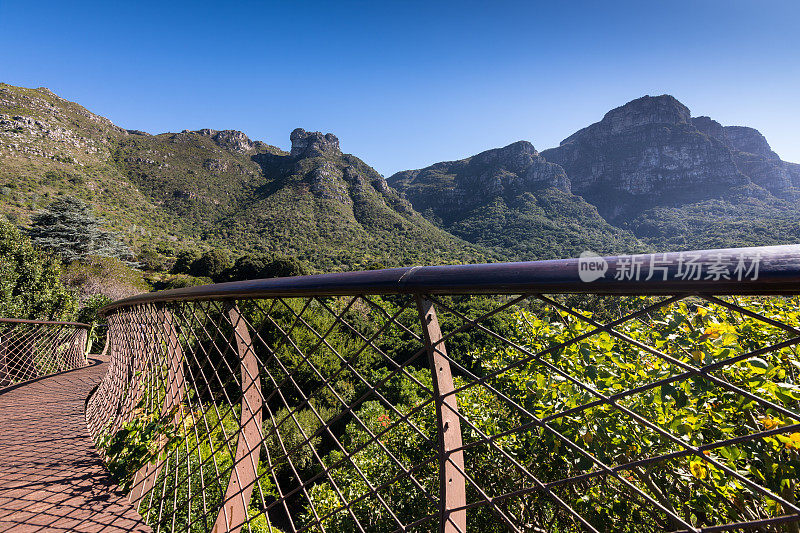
[(744, 139), (753, 156), (513, 200), (229, 139), (450, 187), (317, 160), (650, 152), (646, 153), (313, 143)]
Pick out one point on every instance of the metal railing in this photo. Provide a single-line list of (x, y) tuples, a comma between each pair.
[(30, 349), (633, 393)]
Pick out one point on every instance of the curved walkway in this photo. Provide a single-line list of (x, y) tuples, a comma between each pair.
[(51, 476)]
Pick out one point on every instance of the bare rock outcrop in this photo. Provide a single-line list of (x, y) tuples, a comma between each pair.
[(313, 143)]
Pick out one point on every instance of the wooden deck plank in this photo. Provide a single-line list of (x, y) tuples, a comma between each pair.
[(51, 476)]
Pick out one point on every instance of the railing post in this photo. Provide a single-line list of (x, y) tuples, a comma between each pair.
[(83, 346), (233, 514), (452, 489)]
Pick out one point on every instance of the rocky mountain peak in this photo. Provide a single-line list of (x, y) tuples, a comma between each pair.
[(739, 138), (648, 152), (515, 157), (230, 139), (313, 143), (664, 109), (749, 140), (515, 168), (753, 155), (710, 127)]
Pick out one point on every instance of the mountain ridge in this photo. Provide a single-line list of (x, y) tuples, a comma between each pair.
[(212, 188), (646, 176), (651, 171)]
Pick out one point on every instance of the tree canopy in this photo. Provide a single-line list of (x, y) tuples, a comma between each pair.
[(259, 266), (218, 266), (69, 229), (30, 283)]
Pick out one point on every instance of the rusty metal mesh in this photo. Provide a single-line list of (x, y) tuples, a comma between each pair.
[(488, 413), (30, 349)]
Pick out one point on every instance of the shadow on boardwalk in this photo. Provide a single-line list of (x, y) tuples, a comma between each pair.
[(51, 476)]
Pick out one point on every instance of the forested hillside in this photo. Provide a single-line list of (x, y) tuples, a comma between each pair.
[(211, 189), (648, 176)]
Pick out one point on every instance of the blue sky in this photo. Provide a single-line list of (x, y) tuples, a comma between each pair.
[(405, 84)]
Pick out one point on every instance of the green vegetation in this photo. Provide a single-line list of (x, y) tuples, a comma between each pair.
[(549, 224), (217, 266), (30, 284), (694, 410), (395, 430), (211, 264), (719, 224), (335, 213), (69, 229), (264, 266)]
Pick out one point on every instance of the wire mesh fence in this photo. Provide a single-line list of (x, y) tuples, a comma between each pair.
[(450, 410), (31, 349)]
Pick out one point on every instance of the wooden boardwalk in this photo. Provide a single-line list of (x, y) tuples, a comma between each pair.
[(51, 476)]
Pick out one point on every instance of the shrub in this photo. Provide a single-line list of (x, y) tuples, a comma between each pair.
[(181, 281), (184, 261), (106, 276), (30, 283), (211, 264), (264, 266)]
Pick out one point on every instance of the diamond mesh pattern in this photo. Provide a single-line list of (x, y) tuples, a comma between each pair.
[(32, 349), (524, 412)]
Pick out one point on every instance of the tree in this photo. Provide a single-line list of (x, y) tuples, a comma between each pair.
[(108, 276), (30, 282), (211, 264), (264, 266), (69, 229), (184, 261)]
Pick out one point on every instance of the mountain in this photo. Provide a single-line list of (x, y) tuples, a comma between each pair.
[(651, 152), (210, 188), (514, 201), (646, 175), (679, 182), (645, 153), (335, 210)]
